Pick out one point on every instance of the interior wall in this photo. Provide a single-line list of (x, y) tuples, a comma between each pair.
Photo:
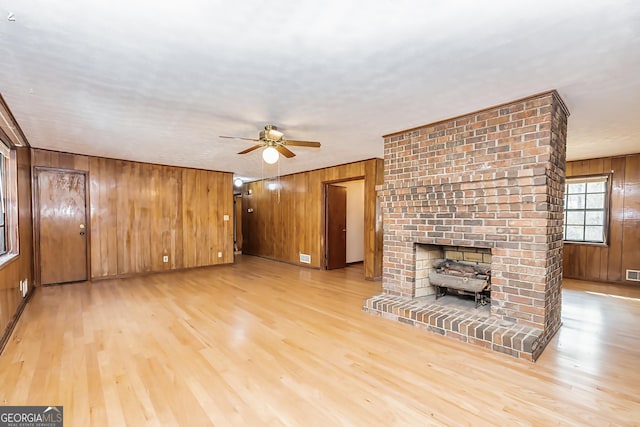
[(609, 263), (355, 220), (281, 223), (141, 212), (20, 267)]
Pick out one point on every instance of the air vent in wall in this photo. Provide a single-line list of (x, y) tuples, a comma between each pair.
[(633, 275), (305, 258)]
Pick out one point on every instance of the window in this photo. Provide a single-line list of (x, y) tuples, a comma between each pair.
[(4, 158), (585, 209)]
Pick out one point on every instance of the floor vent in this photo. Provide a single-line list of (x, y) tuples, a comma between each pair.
[(633, 275), (305, 258)]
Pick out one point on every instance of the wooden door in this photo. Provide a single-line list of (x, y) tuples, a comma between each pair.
[(238, 220), (61, 223), (336, 227)]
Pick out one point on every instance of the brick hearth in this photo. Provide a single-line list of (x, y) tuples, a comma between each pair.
[(492, 179)]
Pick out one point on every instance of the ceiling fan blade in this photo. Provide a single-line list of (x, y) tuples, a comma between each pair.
[(238, 137), (285, 151), (250, 149), (302, 143)]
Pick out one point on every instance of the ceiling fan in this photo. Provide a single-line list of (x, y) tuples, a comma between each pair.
[(274, 142)]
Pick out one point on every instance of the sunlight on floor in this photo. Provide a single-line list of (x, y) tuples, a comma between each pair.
[(612, 296)]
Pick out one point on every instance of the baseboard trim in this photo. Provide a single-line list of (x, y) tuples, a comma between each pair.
[(6, 336)]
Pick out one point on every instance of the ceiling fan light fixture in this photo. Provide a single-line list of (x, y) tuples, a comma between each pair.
[(270, 155)]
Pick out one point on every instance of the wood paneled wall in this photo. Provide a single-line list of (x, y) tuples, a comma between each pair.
[(20, 267), (609, 263), (140, 212), (290, 221)]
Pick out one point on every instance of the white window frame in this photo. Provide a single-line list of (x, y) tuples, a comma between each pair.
[(570, 209)]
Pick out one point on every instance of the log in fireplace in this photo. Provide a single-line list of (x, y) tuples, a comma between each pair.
[(450, 276)]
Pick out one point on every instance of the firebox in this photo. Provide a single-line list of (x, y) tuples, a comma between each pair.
[(453, 270)]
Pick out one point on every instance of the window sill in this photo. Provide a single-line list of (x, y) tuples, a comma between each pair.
[(599, 245), (7, 259)]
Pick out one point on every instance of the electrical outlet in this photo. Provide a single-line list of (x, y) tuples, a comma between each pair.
[(165, 258), (24, 288), (219, 254), (225, 218)]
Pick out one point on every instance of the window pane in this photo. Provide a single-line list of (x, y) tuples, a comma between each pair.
[(574, 233), (575, 217), (3, 248), (596, 187), (576, 188), (575, 201), (594, 218), (595, 201), (593, 233)]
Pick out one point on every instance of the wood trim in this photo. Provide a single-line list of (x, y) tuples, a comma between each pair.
[(10, 127), (90, 156), (4, 339), (12, 226)]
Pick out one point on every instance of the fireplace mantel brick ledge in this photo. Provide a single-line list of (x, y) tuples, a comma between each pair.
[(491, 179)]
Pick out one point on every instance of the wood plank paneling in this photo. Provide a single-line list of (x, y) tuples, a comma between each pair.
[(142, 212), (55, 159), (609, 263), (631, 216), (613, 264), (20, 267), (290, 221)]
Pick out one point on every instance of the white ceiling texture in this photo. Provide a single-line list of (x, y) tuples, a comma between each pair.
[(158, 81)]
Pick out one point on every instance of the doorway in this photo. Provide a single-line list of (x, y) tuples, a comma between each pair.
[(344, 223), (237, 221), (60, 226), (336, 231)]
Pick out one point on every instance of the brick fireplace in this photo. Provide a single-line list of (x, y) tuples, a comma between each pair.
[(490, 185)]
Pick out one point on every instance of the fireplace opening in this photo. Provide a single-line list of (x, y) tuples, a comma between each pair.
[(460, 273)]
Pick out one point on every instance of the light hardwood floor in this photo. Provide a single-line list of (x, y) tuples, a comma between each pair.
[(267, 343)]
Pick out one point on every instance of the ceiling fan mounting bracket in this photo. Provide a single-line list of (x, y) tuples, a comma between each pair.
[(272, 137), (271, 133)]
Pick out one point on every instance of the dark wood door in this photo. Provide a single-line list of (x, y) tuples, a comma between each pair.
[(238, 219), (62, 227), (336, 227)]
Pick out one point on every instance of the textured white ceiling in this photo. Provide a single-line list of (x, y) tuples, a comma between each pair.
[(158, 81)]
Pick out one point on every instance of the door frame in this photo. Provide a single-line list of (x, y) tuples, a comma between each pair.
[(35, 203), (325, 222)]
